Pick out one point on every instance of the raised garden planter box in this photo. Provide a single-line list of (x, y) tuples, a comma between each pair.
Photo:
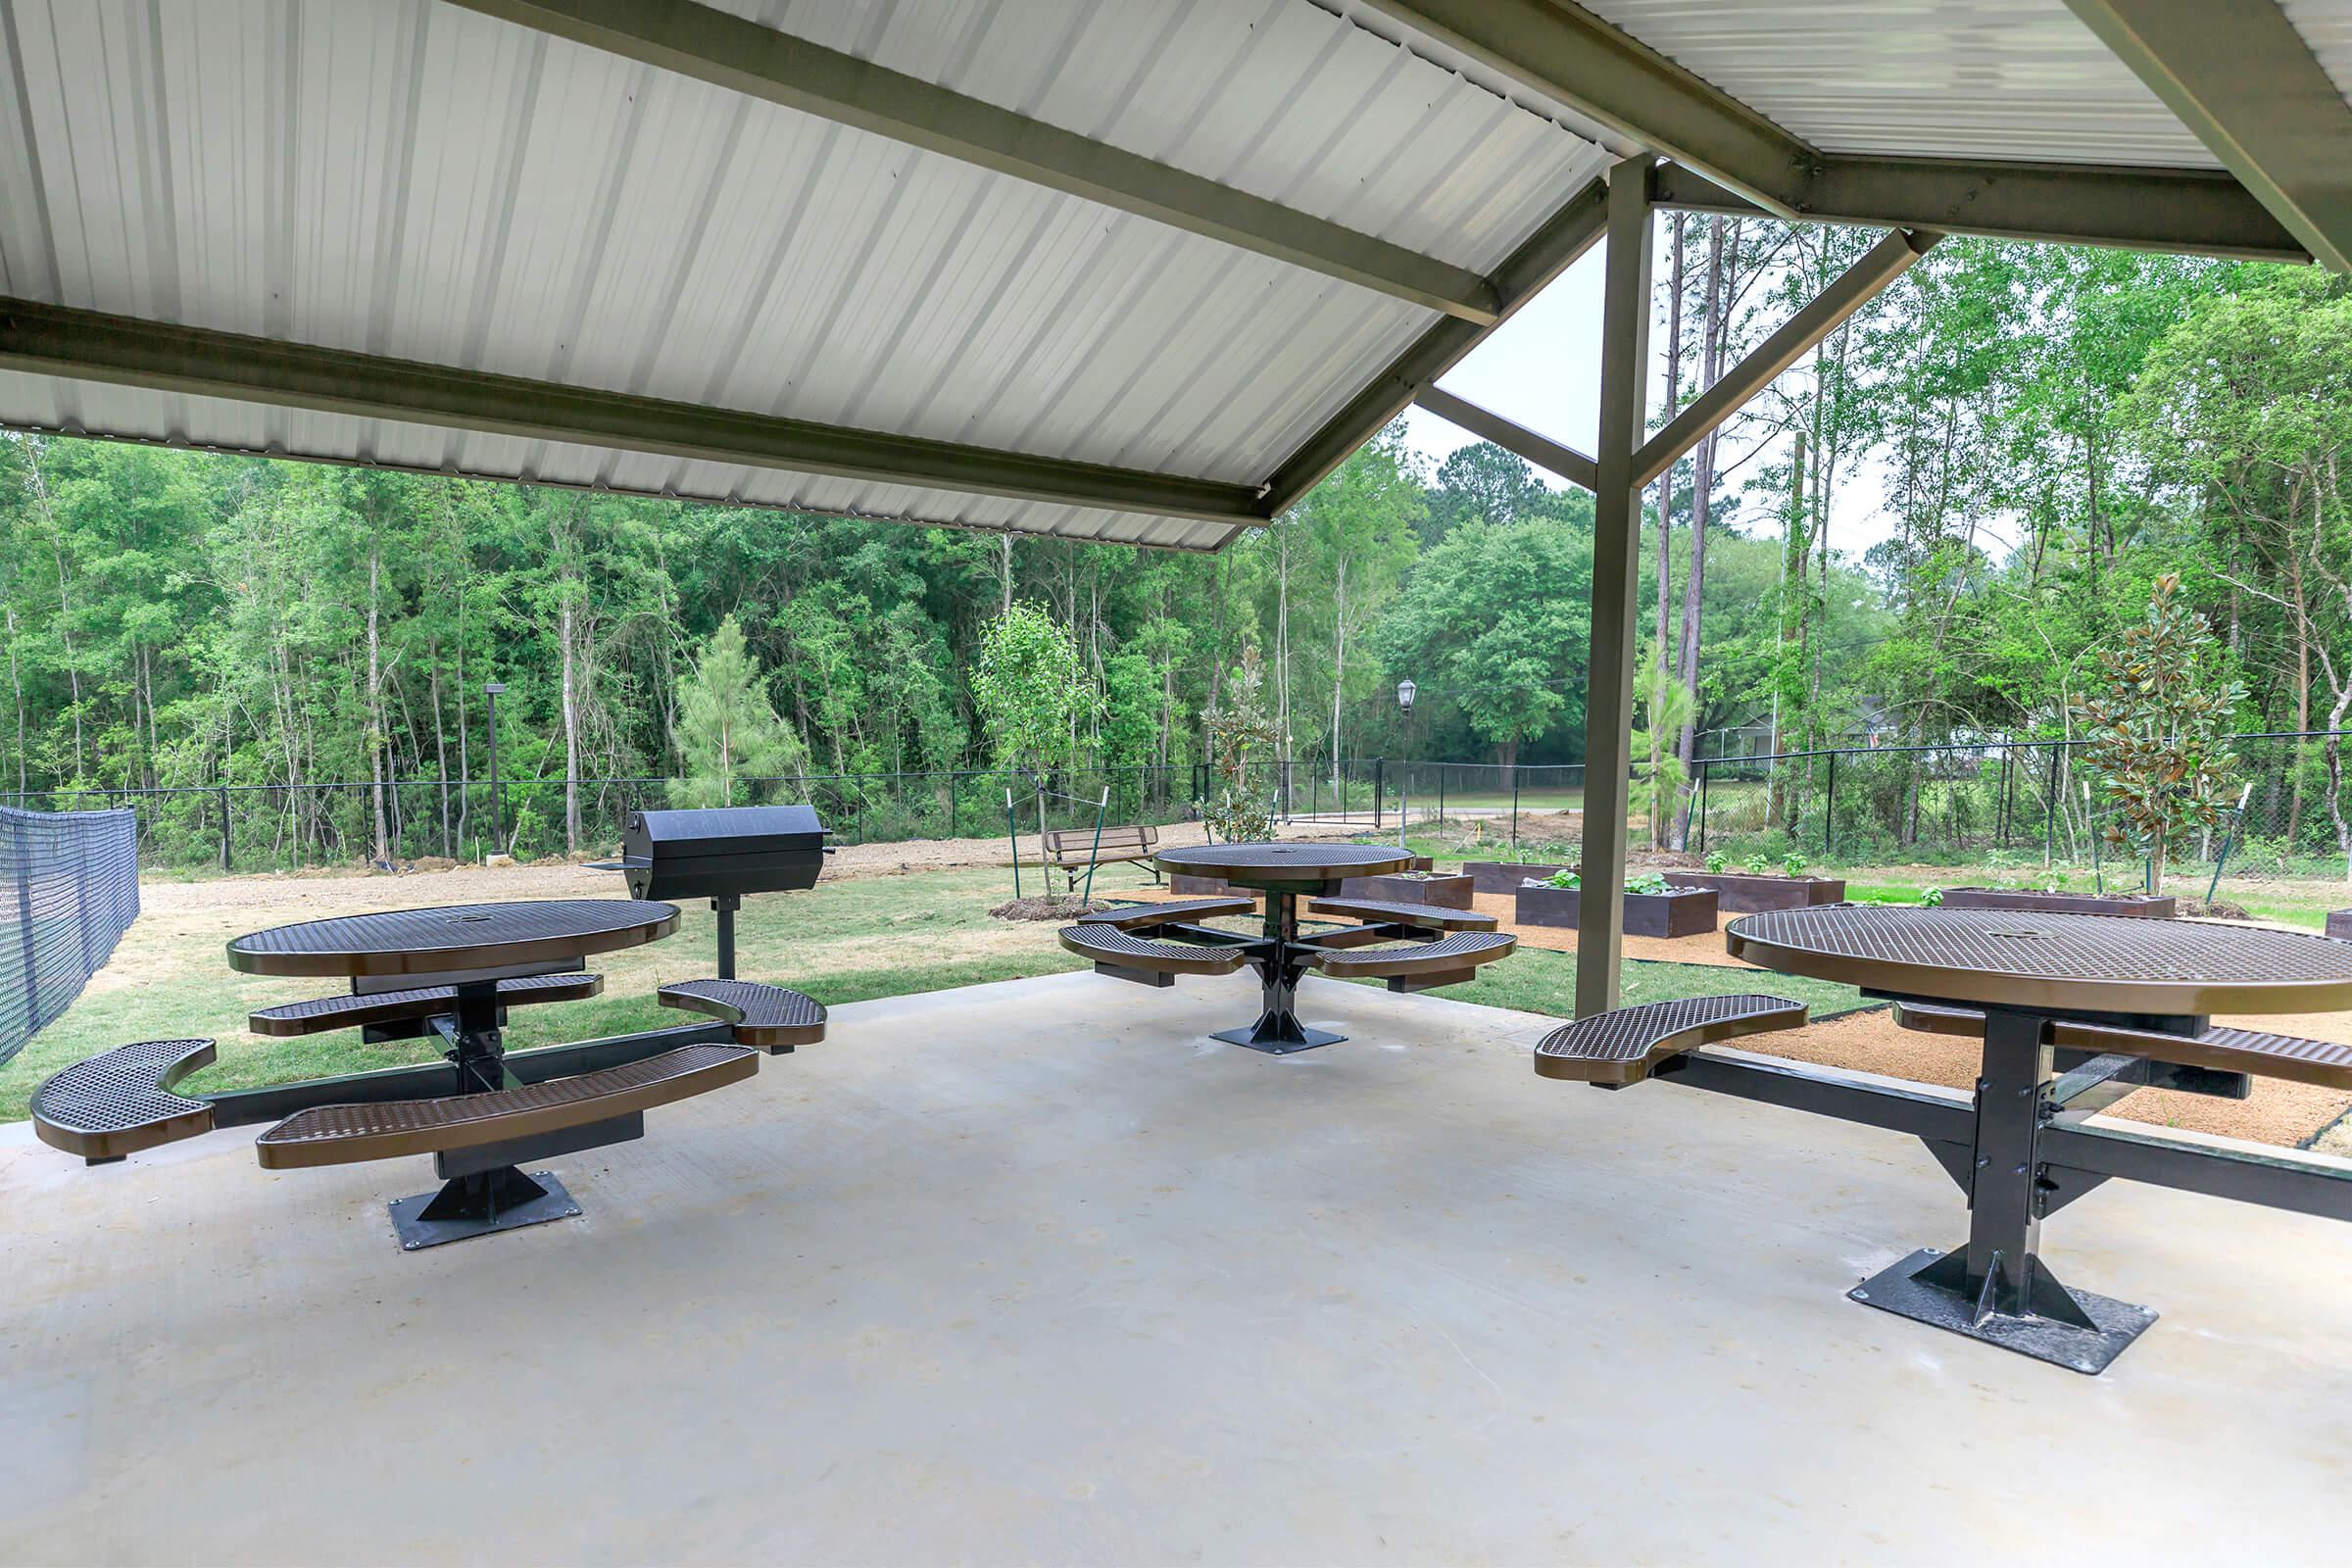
[(1504, 876), (1439, 892), (1198, 887), (1746, 892), (1362, 887), (2151, 905), (1679, 912), (2339, 923)]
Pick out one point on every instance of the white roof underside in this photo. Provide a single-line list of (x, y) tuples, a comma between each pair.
[(2325, 27), (405, 179), (1993, 79)]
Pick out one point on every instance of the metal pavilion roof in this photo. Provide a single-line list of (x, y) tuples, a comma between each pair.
[(1099, 269)]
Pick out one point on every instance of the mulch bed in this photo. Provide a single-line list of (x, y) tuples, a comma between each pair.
[(1054, 906)]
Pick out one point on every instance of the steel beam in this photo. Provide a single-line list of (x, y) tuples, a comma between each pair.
[(2186, 212), (1616, 565), (2243, 79), (1541, 450), (124, 351), (1852, 289), (1551, 251), (743, 56), (1566, 53)]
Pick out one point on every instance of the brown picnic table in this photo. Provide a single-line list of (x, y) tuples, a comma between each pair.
[(2075, 1011), (1147, 945)]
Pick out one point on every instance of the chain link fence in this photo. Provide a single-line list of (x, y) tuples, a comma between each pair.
[(68, 889)]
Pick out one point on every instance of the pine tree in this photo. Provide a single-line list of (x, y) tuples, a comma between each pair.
[(728, 730)]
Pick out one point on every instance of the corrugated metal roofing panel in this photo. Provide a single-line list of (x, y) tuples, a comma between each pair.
[(413, 180), (2327, 27), (2002, 79)]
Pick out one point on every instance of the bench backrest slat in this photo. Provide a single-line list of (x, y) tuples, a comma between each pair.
[(1077, 841)]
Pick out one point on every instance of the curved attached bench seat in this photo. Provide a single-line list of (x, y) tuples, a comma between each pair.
[(2326, 1063), (1623, 1045), (344, 1135), (770, 1017), (354, 1009), (1453, 956), (1115, 952), (1144, 916), (1427, 916), (120, 1101)]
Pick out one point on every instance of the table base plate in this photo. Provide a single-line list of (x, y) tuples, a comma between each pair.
[(1278, 1035), (1902, 1291), (517, 1200)]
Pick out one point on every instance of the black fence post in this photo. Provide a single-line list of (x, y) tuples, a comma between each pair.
[(1828, 812), (1380, 767), (223, 827), (1703, 806), (2049, 812), (1514, 810)]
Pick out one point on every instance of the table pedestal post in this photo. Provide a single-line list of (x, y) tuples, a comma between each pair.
[(484, 1191), (1997, 1288), (1278, 1031)]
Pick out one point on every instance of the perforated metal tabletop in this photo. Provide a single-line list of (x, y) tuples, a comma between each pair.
[(1287, 866), (2073, 962), (457, 938)]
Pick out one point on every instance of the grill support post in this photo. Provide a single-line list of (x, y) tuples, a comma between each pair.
[(724, 907)]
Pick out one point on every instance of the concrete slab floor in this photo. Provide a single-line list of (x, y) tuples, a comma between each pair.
[(1034, 1273)]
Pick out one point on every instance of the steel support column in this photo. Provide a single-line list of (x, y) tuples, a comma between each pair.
[(1616, 562)]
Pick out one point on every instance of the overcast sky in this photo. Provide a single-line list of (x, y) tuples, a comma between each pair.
[(1542, 370)]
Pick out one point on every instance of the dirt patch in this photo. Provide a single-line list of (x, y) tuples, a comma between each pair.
[(2218, 910), (1054, 908)]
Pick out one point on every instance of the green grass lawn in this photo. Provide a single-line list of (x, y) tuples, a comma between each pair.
[(841, 942)]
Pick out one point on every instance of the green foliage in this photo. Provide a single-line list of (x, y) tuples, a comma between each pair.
[(1793, 863), (2159, 727), (727, 728), (1717, 860), (1240, 730), (1667, 706), (1028, 687)]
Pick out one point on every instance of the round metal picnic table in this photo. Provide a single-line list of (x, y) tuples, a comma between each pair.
[(2023, 970), (470, 948), (1283, 872)]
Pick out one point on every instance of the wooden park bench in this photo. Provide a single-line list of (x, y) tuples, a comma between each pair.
[(1142, 916), (1417, 966), (770, 1017), (342, 1135), (355, 1009), (1626, 1045), (1072, 851)]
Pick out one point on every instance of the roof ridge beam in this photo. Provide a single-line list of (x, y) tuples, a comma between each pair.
[(2244, 80), (1889, 259), (1566, 53), (127, 351), (1541, 450), (742, 56)]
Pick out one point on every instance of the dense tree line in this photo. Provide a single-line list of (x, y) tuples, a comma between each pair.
[(2051, 429)]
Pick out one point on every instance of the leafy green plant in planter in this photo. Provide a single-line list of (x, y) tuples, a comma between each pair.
[(1652, 884), (1793, 864), (1717, 860), (1757, 865), (1563, 879), (1931, 896)]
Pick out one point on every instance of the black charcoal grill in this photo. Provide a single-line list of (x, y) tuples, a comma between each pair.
[(721, 854)]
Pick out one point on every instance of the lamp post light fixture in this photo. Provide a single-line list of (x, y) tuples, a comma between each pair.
[(1404, 780), (498, 826)]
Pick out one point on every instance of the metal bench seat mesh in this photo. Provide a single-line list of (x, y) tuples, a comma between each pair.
[(121, 1092), (395, 1119), (1463, 948), (1629, 1034), (1109, 945), (1171, 909), (391, 1004), (754, 1004), (1384, 913)]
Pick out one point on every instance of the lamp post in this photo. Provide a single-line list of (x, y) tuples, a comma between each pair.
[(498, 826), (1404, 780)]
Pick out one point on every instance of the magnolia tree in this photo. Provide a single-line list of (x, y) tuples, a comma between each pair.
[(1238, 727), (2158, 734), (727, 727)]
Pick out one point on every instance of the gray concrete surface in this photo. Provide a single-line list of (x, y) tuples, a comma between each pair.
[(1033, 1273)]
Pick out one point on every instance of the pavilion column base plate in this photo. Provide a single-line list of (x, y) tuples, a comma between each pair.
[(1277, 1033), (479, 1204), (1929, 1287)]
